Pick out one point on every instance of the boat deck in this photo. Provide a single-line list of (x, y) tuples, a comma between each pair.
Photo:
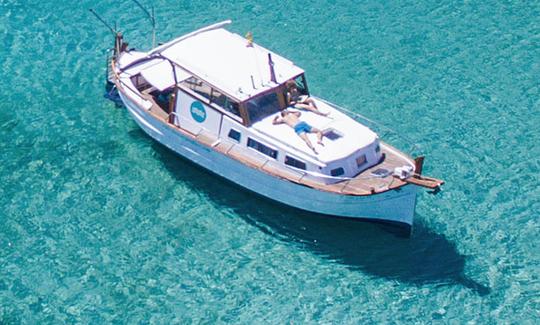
[(365, 183)]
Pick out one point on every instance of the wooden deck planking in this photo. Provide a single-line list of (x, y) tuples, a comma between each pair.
[(207, 138), (275, 168), (251, 159), (155, 109), (224, 146)]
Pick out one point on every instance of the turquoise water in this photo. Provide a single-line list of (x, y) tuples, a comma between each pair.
[(100, 224)]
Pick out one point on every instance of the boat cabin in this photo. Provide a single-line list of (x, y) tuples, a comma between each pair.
[(218, 82)]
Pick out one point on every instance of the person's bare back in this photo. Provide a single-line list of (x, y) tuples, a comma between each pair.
[(292, 119)]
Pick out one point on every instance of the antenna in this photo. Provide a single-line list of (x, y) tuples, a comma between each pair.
[(152, 20), (113, 30)]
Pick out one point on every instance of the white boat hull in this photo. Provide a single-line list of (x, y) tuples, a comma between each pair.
[(395, 206)]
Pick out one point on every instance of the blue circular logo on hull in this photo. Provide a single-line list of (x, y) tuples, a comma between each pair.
[(198, 113)]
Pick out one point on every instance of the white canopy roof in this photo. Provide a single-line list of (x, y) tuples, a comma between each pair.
[(225, 60), (217, 56), (161, 76)]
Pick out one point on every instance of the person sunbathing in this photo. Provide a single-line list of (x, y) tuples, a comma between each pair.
[(297, 100), (301, 128)]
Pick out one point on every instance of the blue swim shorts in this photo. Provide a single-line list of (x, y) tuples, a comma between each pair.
[(302, 127)]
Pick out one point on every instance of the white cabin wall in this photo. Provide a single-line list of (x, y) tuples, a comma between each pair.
[(349, 163), (228, 124), (191, 117)]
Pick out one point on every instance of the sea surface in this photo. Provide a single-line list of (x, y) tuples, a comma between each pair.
[(100, 224)]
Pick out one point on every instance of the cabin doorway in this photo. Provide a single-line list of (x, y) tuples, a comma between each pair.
[(161, 99)]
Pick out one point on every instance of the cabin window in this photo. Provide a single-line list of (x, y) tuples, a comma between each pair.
[(361, 160), (337, 172), (262, 148), (378, 149), (295, 163), (198, 86), (225, 102), (262, 106), (235, 135), (212, 94), (140, 83)]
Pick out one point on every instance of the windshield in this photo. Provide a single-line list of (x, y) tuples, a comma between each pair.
[(262, 106)]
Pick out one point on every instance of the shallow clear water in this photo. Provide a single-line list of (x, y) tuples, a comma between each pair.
[(99, 223)]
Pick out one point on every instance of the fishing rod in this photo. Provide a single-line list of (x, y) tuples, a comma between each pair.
[(113, 30), (152, 20), (110, 89), (119, 44)]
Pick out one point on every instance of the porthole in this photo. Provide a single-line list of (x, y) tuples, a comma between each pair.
[(235, 135), (337, 172)]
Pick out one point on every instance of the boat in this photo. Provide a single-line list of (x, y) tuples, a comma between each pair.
[(213, 97)]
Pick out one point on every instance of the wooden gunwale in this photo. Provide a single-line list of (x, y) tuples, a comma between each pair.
[(360, 185)]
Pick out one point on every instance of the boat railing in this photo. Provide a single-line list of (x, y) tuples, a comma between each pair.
[(171, 116), (124, 84), (384, 132)]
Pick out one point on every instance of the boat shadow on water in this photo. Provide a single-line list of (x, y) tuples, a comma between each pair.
[(376, 249)]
